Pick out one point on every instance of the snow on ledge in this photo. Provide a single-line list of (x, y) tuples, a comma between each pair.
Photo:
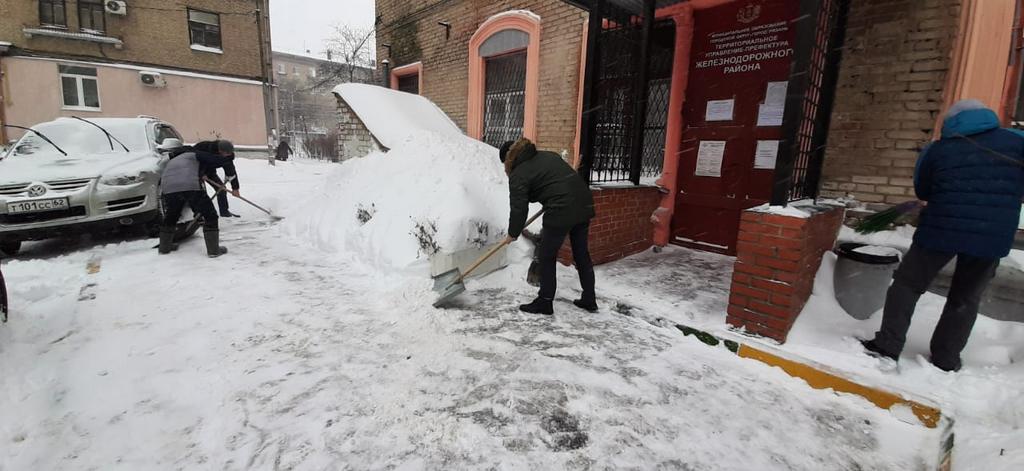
[(790, 211), (392, 116), (201, 48)]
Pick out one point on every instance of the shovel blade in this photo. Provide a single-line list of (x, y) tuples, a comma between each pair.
[(449, 284)]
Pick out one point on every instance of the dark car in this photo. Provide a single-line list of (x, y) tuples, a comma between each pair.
[(3, 298)]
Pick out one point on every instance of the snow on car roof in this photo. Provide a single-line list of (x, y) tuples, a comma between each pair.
[(392, 116)]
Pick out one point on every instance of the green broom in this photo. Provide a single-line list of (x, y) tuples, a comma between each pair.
[(883, 220)]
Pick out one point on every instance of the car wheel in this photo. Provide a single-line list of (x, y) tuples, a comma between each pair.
[(10, 247)]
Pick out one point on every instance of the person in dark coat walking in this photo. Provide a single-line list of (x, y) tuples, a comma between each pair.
[(972, 180), (180, 184), (283, 150), (227, 150), (538, 176)]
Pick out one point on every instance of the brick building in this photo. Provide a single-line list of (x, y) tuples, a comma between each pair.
[(199, 64), (685, 115), (307, 109)]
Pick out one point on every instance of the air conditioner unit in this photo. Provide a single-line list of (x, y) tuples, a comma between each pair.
[(116, 7), (152, 79)]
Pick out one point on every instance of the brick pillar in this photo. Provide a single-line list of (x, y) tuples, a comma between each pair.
[(776, 261)]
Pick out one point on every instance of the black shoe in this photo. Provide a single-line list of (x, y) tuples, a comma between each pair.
[(947, 367), (586, 305), (538, 306), (872, 349), (229, 214)]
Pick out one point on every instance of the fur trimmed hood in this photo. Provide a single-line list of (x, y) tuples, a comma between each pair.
[(521, 151)]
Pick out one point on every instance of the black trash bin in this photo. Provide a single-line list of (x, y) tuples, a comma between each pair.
[(862, 277)]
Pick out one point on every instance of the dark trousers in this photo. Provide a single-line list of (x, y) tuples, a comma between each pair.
[(222, 196), (200, 203), (551, 240), (912, 279)]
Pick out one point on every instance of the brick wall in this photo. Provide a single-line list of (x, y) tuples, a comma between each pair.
[(354, 139), (155, 32), (776, 262), (622, 226), (412, 30), (890, 93)]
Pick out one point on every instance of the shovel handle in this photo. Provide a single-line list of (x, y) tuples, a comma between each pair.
[(223, 188), (490, 253)]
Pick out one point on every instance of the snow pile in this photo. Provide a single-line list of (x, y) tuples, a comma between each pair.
[(791, 211), (901, 238), (431, 193), (392, 116)]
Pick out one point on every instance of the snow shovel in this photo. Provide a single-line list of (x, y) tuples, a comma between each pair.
[(221, 188), (451, 283)]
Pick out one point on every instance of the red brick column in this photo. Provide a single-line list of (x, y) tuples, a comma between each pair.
[(776, 261), (622, 226)]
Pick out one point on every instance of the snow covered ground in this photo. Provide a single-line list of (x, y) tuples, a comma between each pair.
[(283, 356)]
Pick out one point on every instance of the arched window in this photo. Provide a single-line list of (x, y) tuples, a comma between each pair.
[(504, 71)]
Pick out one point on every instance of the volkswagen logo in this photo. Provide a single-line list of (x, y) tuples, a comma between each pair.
[(36, 190)]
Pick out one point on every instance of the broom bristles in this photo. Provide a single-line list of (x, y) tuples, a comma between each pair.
[(882, 220)]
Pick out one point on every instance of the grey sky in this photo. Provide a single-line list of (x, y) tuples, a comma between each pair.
[(300, 25)]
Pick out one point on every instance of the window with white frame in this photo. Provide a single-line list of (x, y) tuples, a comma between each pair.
[(312, 72), (281, 69), (204, 29), (79, 88)]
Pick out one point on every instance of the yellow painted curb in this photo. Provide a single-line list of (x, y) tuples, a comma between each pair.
[(817, 379)]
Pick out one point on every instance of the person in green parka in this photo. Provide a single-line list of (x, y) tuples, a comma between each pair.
[(540, 176)]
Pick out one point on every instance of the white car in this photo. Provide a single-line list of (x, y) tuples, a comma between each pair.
[(71, 176)]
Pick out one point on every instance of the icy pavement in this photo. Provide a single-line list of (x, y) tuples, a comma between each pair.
[(278, 356)]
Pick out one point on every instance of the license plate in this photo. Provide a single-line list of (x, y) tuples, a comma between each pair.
[(37, 206)]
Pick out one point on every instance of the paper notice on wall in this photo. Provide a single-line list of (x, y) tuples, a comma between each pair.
[(770, 115), (709, 159), (776, 93), (720, 110), (766, 154)]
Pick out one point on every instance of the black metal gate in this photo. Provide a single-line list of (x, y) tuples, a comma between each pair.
[(504, 98), (820, 36), (629, 137)]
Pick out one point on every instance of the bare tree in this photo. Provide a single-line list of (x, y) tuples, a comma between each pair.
[(354, 48)]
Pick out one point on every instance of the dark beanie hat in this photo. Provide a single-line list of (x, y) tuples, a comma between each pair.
[(225, 147), (503, 150)]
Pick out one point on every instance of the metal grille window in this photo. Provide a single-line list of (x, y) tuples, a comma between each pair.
[(204, 29), (52, 13), (615, 120), (92, 16), (409, 83), (79, 88), (504, 98)]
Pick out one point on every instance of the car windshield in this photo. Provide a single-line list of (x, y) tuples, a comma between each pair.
[(79, 138)]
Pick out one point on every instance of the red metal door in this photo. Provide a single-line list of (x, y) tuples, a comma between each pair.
[(741, 52)]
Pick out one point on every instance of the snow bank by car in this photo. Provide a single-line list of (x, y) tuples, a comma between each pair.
[(431, 193)]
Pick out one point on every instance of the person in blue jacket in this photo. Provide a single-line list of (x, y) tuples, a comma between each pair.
[(972, 182)]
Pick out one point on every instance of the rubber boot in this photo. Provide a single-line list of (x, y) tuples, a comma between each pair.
[(167, 244), (538, 306), (213, 248)]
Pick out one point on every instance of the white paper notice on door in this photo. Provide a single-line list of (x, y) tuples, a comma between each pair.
[(709, 159), (770, 115), (766, 155), (776, 93), (720, 110)]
